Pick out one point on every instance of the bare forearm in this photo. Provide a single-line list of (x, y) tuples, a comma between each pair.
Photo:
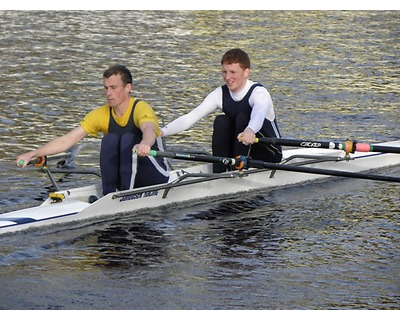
[(56, 145), (148, 139), (148, 134)]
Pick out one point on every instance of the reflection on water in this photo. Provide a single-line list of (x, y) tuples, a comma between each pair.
[(230, 208), (331, 74), (137, 245)]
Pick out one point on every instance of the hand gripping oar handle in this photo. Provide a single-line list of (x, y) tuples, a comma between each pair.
[(347, 146), (37, 162), (42, 160)]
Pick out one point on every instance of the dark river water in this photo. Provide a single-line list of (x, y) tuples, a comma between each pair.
[(333, 245)]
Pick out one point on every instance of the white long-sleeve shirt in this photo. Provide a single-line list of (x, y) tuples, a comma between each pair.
[(260, 101)]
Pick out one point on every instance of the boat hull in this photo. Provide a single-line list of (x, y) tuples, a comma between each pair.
[(183, 186)]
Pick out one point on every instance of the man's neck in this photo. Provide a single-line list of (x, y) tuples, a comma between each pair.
[(121, 109)]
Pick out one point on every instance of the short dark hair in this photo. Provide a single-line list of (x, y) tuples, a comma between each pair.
[(126, 75), (236, 56)]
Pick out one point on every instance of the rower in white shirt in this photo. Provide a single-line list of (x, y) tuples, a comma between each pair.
[(248, 112)]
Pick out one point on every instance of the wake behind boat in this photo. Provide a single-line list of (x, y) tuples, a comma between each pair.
[(199, 183)]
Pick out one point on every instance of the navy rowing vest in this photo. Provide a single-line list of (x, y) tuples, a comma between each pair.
[(114, 127), (232, 108)]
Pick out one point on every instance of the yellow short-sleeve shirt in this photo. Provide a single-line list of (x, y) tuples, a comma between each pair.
[(98, 119)]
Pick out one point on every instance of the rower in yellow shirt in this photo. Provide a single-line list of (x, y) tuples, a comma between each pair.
[(130, 128)]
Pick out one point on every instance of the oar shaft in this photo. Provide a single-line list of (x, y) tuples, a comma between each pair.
[(298, 143), (365, 147), (193, 157), (328, 172), (347, 146), (249, 163)]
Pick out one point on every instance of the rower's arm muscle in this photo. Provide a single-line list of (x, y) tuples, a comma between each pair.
[(149, 133), (64, 142), (56, 145)]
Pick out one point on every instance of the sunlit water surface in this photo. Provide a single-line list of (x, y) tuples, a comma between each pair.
[(331, 245)]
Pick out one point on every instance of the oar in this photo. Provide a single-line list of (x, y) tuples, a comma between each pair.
[(65, 165), (245, 163), (347, 146)]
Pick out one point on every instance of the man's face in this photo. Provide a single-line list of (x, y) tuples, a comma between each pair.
[(116, 91), (234, 76)]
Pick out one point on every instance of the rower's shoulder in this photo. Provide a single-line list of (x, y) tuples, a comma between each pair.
[(258, 87)]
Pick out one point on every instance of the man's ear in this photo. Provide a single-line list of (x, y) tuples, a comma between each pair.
[(128, 87)]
